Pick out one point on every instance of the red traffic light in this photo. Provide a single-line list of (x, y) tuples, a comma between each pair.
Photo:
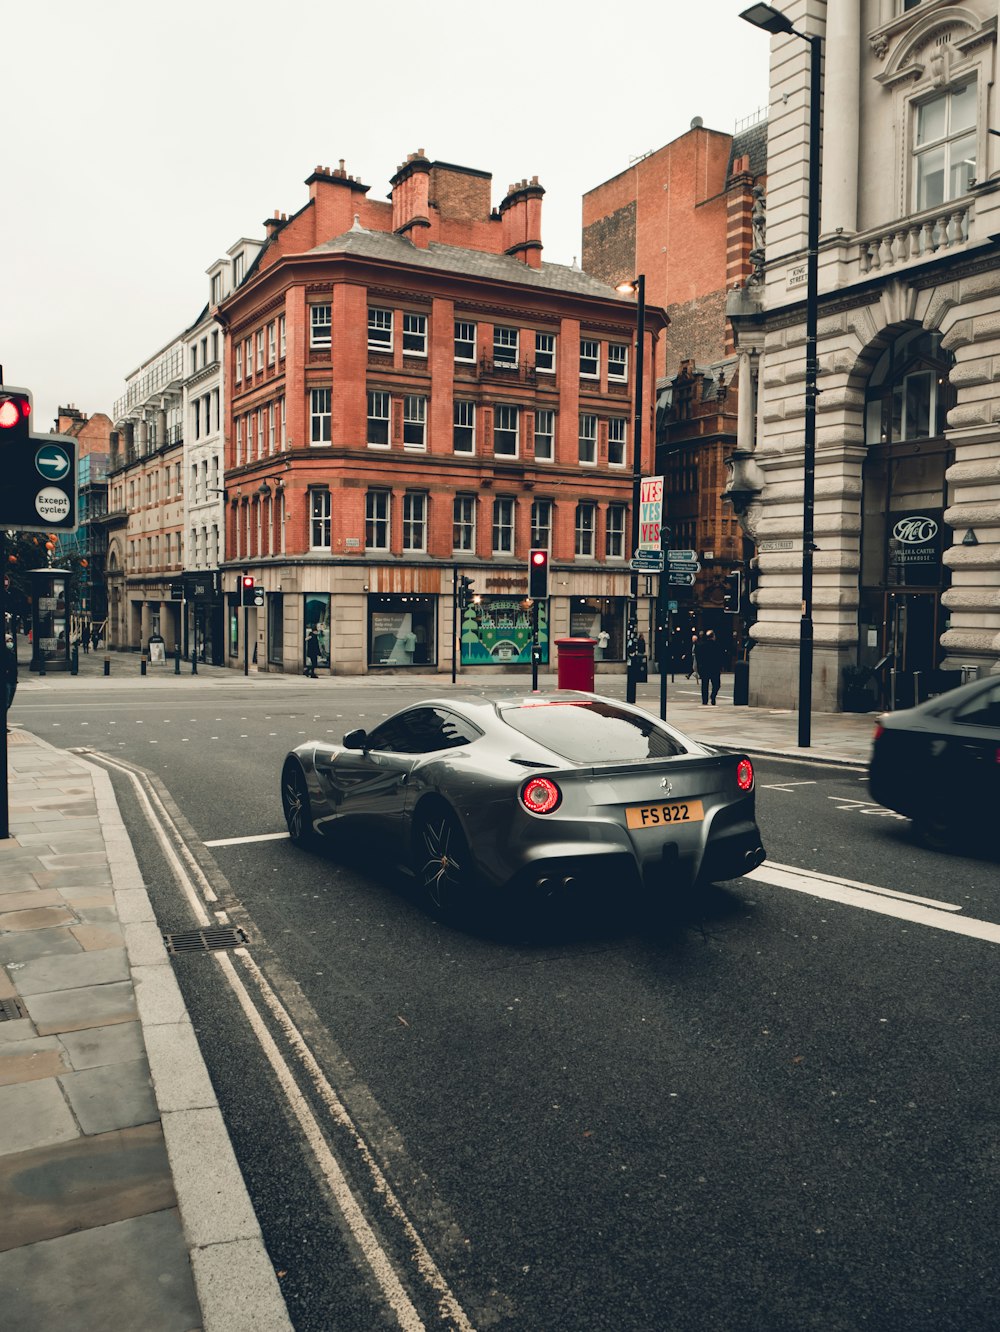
[(539, 557), (247, 580), (13, 410)]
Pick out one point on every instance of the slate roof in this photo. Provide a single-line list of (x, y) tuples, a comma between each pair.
[(472, 263), (753, 142)]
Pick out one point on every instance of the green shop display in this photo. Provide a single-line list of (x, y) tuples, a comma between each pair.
[(497, 631)]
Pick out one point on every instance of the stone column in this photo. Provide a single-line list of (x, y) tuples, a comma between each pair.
[(745, 409), (841, 103)]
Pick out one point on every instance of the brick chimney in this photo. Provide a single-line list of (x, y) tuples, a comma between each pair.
[(335, 197), (521, 214), (410, 199)]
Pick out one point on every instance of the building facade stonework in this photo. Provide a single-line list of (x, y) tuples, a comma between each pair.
[(906, 579)]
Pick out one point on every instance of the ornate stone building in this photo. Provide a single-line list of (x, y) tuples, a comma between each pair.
[(907, 478)]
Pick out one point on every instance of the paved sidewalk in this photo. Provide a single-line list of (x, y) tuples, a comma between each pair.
[(121, 1203)]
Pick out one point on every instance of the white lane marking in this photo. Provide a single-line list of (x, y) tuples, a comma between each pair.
[(783, 786), (795, 870), (363, 1234), (366, 1239), (447, 1302), (159, 820), (876, 901), (238, 841), (865, 807)]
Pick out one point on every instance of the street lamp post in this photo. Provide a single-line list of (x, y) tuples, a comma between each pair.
[(773, 21), (638, 286)]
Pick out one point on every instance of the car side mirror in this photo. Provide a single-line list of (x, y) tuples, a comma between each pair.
[(355, 739)]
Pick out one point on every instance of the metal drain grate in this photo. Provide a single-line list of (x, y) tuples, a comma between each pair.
[(10, 1010), (208, 940)]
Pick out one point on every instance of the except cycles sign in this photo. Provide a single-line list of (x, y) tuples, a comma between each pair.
[(39, 489)]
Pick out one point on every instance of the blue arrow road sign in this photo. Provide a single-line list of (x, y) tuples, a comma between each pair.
[(52, 462)]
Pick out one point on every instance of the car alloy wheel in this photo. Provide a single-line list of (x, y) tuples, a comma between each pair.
[(443, 861), (295, 804)]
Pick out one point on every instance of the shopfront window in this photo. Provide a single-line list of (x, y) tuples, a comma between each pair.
[(401, 630), (497, 631), (317, 616), (603, 619)]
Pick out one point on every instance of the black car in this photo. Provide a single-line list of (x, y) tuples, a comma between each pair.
[(939, 763)]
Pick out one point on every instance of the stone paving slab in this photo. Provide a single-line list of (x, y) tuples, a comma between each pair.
[(18, 949), (34, 1114), (133, 1274), (75, 1010), (36, 1057), (103, 1045), (88, 1182), (46, 974), (111, 1096)]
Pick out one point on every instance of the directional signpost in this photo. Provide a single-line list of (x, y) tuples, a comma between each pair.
[(39, 493), (682, 565)]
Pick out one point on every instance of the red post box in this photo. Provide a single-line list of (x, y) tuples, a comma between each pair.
[(576, 663)]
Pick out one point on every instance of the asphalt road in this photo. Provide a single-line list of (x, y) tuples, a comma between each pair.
[(778, 1113)]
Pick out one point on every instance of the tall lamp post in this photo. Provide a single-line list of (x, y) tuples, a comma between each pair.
[(773, 21), (638, 287)]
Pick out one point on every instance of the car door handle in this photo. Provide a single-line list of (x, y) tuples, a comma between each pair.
[(404, 777)]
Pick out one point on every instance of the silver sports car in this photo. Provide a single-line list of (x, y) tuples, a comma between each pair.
[(529, 795)]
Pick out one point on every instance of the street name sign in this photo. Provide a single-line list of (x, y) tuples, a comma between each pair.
[(680, 578), (682, 556)]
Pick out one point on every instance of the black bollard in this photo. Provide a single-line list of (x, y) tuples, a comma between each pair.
[(177, 659), (74, 660), (142, 665), (194, 663), (107, 665)]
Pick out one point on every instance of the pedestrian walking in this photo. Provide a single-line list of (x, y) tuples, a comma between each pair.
[(85, 638), (708, 660), (312, 654), (10, 669)]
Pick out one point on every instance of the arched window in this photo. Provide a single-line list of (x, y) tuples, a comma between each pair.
[(908, 394)]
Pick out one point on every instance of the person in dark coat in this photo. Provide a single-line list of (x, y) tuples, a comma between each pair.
[(85, 637), (10, 670), (312, 654), (708, 660)]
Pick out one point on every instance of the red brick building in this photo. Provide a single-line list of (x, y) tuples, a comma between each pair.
[(684, 216), (414, 397)]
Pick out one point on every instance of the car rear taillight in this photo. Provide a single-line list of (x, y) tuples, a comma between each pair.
[(744, 775), (879, 732), (540, 796)]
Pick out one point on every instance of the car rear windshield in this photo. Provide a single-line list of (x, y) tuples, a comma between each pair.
[(587, 732)]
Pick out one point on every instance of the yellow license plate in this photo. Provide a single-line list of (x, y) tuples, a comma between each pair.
[(658, 816)]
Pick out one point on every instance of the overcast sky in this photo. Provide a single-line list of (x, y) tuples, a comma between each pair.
[(142, 140)]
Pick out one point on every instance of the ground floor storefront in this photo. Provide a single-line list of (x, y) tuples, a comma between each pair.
[(373, 618)]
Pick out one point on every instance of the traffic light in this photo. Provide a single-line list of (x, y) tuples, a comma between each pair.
[(732, 597), (538, 575), (15, 417), (246, 590), (464, 591), (39, 492)]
